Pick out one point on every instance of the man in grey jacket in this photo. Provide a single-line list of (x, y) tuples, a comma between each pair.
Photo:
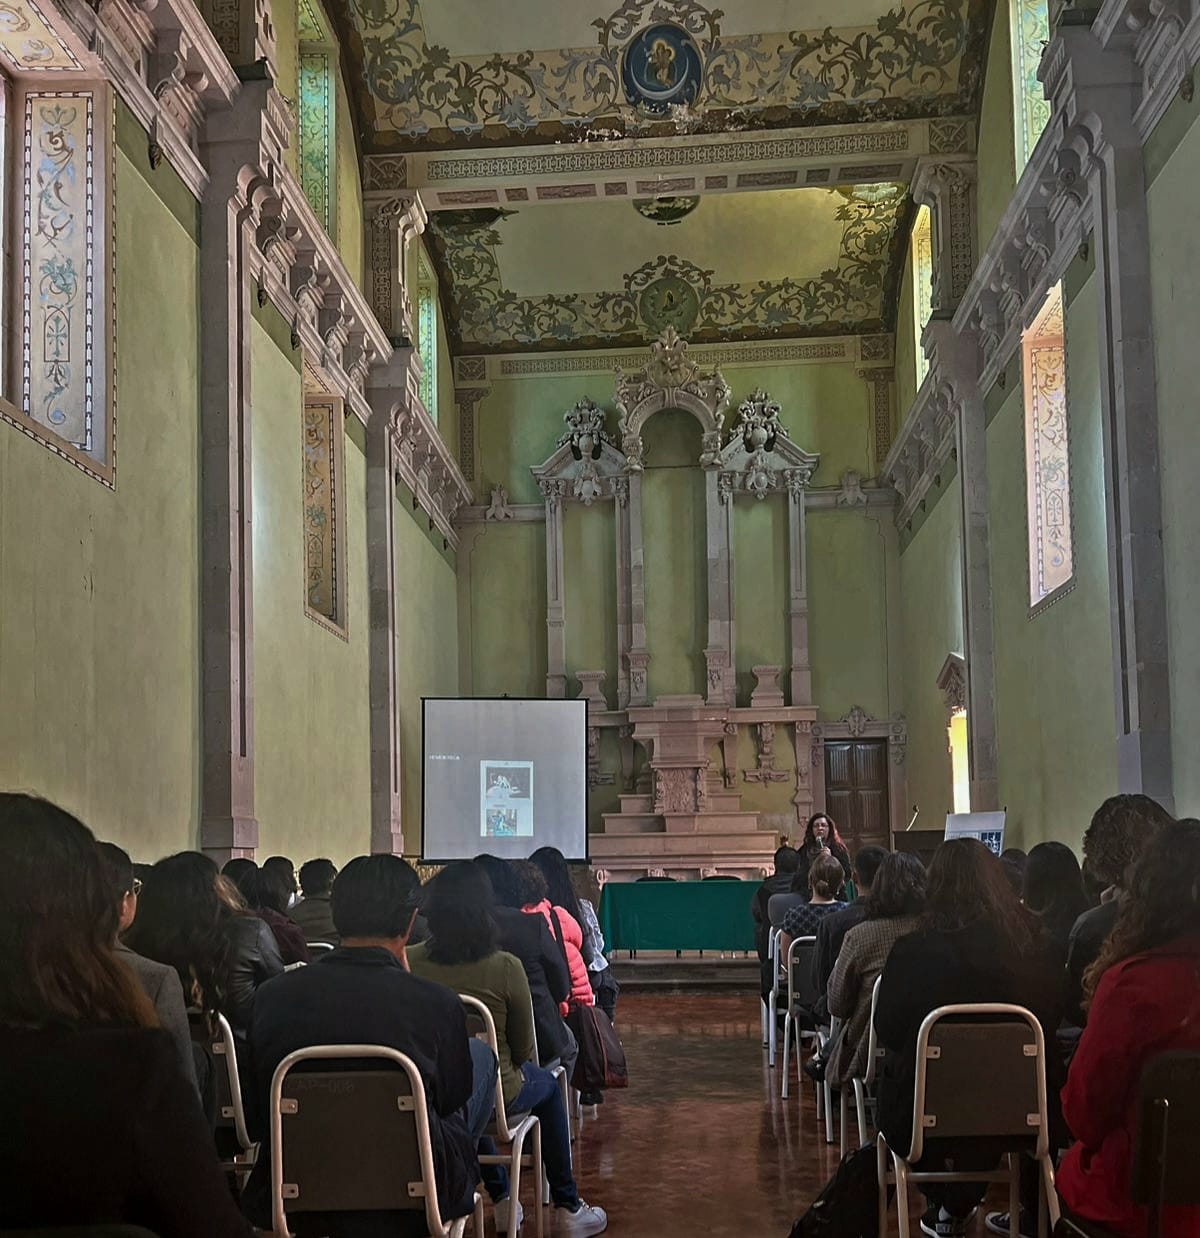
[(160, 982)]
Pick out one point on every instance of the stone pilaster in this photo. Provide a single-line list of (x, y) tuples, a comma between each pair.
[(947, 187), (393, 221), (796, 481), (553, 490)]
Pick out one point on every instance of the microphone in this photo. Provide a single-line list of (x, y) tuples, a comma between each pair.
[(913, 820)]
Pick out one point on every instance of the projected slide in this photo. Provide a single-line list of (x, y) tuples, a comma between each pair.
[(505, 777)]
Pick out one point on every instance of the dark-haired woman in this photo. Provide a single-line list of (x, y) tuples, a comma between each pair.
[(1143, 996), (461, 954), (1052, 888), (975, 943), (105, 1129), (894, 906), (820, 835), (267, 892), (192, 918)]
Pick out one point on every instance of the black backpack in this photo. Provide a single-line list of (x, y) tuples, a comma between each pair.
[(848, 1205)]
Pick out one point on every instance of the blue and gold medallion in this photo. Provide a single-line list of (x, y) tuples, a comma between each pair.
[(661, 68)]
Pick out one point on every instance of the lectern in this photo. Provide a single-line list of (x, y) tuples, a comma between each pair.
[(922, 843)]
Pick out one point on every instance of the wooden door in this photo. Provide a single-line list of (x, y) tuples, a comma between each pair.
[(856, 790)]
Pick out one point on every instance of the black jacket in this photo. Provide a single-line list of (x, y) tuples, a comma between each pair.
[(103, 1129), (831, 932), (929, 969), (364, 996), (1087, 939), (253, 959), (546, 969)]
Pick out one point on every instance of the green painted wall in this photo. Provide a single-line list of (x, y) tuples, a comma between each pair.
[(100, 590), (1054, 687), (996, 155), (312, 710), (426, 645), (348, 188), (761, 588), (590, 554), (906, 348), (1174, 253), (931, 618)]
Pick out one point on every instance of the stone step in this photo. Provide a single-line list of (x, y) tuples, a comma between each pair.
[(718, 801), (636, 804)]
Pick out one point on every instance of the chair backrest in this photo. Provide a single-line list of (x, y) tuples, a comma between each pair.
[(981, 1073), (801, 984), (482, 1026), (230, 1113), (1168, 1133), (874, 1052), (315, 946), (351, 1140)]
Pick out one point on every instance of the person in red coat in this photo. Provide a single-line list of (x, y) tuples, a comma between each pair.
[(1144, 994)]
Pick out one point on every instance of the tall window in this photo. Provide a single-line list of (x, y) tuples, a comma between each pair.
[(318, 95), (55, 152), (1030, 27), (427, 333), (324, 508), (1047, 454), (959, 768), (922, 283)]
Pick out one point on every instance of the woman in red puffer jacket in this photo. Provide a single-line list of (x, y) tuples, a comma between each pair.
[(564, 928), (1144, 993)]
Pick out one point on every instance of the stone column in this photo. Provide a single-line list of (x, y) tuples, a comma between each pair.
[(947, 186), (796, 481), (638, 656), (238, 149), (718, 653), (556, 616)]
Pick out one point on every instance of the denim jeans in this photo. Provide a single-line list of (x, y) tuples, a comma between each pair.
[(541, 1097), (483, 1087)]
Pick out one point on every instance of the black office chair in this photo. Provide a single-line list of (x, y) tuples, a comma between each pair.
[(1164, 1157)]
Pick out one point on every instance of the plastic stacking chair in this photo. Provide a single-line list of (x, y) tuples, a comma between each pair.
[(801, 992), (1164, 1156), (354, 1139), (980, 1074), (513, 1131)]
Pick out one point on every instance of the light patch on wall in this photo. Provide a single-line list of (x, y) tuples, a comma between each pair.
[(316, 132), (922, 282), (1030, 32), (324, 512), (427, 334)]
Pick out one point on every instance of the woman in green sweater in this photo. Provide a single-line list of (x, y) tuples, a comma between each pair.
[(461, 953)]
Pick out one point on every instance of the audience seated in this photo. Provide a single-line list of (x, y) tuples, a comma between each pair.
[(528, 939), (285, 871), (363, 993), (313, 913), (1119, 830), (564, 927), (1143, 995), (604, 983), (1053, 890), (160, 982), (821, 834), (462, 954), (266, 892), (975, 943), (825, 881), (787, 859), (832, 930), (104, 1126), (892, 911), (193, 919)]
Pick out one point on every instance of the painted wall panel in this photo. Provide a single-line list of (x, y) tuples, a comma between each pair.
[(996, 157), (590, 555)]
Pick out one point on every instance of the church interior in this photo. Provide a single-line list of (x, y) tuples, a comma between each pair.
[(799, 389)]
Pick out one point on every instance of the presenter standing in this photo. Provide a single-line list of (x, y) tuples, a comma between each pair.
[(821, 835)]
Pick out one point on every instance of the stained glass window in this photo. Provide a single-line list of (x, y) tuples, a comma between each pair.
[(1047, 454), (922, 278), (318, 89), (324, 508), (61, 274), (427, 334), (1030, 26)]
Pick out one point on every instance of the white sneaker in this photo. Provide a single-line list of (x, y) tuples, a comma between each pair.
[(585, 1220), (502, 1211)]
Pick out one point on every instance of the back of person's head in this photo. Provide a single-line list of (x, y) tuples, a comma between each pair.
[(558, 879), (458, 910), (375, 896), (243, 874), (1161, 900), (504, 883), (529, 883), (899, 887), (316, 878), (57, 924), (284, 867), (1015, 855), (966, 883), (1053, 885), (866, 864), (273, 891), (825, 876), (1119, 829), (585, 883), (182, 907), (116, 871), (787, 860)]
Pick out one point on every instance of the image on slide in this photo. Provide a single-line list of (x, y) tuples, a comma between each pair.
[(505, 799)]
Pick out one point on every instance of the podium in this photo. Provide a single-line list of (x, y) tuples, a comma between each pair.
[(922, 843)]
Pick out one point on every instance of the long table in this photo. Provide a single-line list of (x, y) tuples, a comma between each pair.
[(678, 915)]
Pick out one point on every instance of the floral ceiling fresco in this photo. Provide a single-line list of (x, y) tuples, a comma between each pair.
[(657, 66), (852, 292)]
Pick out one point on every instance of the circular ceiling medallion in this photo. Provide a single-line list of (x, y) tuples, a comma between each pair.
[(664, 211), (661, 68), (669, 302)]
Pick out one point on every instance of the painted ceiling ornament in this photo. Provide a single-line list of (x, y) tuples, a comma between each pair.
[(669, 301), (666, 210), (661, 67), (585, 434)]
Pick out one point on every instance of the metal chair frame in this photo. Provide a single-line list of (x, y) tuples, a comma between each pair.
[(813, 1037), (224, 1050)]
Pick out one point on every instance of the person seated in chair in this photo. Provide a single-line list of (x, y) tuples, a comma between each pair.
[(1143, 999), (314, 912), (825, 882), (363, 993), (780, 882)]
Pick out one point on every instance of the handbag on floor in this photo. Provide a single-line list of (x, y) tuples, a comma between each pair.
[(601, 1062), (848, 1205)]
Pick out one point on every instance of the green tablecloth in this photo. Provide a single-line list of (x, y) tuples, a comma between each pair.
[(678, 915)]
